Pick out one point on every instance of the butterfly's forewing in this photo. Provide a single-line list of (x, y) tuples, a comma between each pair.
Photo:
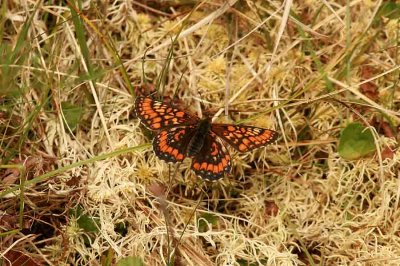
[(213, 160), (244, 138), (157, 115), (171, 144)]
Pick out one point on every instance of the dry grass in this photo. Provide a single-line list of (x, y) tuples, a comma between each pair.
[(92, 192)]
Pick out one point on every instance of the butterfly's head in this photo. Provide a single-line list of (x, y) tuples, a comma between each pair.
[(204, 125)]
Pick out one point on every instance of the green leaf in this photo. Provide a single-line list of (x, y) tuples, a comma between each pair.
[(390, 10), (130, 261), (72, 114), (355, 142), (87, 223), (204, 220)]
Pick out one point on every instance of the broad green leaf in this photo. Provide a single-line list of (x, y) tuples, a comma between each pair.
[(87, 223), (355, 142)]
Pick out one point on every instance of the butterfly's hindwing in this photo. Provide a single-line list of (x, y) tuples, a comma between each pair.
[(157, 115), (244, 138), (171, 144), (213, 160)]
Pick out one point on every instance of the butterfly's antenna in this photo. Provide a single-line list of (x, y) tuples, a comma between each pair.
[(153, 93), (143, 61), (201, 97), (199, 92), (201, 105)]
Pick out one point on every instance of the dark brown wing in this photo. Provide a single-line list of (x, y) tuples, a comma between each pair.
[(157, 115), (244, 138)]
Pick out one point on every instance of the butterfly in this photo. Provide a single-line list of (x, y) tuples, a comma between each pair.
[(182, 135)]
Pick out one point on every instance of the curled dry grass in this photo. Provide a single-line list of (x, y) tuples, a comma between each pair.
[(305, 69)]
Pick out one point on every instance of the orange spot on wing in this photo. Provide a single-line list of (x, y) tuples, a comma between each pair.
[(270, 135), (224, 162), (180, 114), (179, 157), (262, 138), (215, 169), (176, 136), (203, 166), (175, 152), (245, 141), (196, 166), (146, 108), (169, 150), (156, 120), (259, 138), (214, 151), (242, 147), (156, 125), (220, 167), (152, 115), (163, 147), (210, 167), (231, 128)]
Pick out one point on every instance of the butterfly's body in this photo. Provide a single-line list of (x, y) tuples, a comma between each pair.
[(198, 137), (181, 135)]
